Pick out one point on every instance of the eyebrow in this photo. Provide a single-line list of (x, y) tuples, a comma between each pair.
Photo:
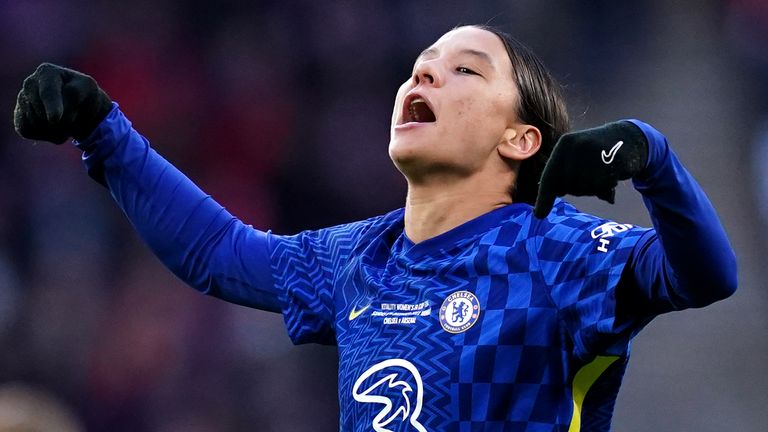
[(468, 51)]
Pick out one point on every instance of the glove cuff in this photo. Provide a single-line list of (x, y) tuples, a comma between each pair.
[(92, 112), (635, 157)]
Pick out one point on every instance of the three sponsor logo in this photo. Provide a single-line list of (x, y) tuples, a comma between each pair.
[(395, 385)]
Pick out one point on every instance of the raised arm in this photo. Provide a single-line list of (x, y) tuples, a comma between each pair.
[(688, 262), (192, 234)]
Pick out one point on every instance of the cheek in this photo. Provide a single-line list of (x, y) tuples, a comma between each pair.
[(475, 115), (484, 106), (476, 125), (464, 109), (496, 112), (504, 105)]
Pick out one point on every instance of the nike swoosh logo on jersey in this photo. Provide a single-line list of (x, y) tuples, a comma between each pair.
[(356, 313), (608, 157)]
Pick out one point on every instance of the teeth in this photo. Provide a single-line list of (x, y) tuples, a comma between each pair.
[(412, 110), (413, 113)]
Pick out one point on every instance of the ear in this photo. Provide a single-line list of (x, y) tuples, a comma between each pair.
[(519, 142)]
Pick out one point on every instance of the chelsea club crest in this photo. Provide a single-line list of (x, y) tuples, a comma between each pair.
[(459, 312)]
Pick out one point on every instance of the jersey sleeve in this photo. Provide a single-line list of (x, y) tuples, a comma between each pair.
[(609, 279), (689, 262), (582, 259), (209, 248), (306, 267), (194, 236)]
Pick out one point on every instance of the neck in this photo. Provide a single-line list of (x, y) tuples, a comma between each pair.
[(437, 207)]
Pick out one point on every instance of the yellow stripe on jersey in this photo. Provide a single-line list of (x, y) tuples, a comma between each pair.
[(582, 382)]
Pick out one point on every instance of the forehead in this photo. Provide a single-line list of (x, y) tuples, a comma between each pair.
[(473, 38)]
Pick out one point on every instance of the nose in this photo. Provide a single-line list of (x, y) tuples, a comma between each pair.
[(427, 72)]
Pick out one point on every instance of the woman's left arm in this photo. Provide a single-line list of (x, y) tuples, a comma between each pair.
[(688, 260)]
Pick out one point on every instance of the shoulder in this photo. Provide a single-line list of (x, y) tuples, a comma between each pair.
[(374, 225), (349, 233), (568, 230)]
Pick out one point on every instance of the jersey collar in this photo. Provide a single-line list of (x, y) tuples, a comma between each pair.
[(462, 233)]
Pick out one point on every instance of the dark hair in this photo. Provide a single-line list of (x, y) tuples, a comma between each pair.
[(541, 105)]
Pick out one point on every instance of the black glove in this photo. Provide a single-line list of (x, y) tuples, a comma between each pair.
[(591, 162), (56, 103)]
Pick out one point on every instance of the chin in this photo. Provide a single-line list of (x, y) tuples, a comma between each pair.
[(407, 151), (420, 167), (404, 163), (407, 159)]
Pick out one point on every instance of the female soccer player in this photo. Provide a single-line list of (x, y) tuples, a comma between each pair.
[(468, 309)]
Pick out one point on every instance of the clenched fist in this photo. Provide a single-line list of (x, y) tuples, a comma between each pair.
[(56, 103), (592, 162)]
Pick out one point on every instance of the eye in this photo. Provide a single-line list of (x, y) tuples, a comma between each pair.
[(466, 70)]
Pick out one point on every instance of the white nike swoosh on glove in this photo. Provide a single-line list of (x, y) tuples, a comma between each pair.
[(608, 157)]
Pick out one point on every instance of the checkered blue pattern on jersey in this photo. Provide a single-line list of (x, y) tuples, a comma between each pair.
[(547, 296)]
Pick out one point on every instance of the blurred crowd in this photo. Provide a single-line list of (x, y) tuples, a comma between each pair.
[(281, 111)]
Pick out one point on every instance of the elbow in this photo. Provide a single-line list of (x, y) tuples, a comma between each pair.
[(713, 292), (714, 286), (729, 281)]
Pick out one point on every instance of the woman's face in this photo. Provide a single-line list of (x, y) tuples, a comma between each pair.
[(452, 113)]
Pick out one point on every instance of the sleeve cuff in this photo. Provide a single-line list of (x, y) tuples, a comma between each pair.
[(106, 137), (114, 125), (658, 151)]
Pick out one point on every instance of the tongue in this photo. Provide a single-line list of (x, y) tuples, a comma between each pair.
[(422, 113)]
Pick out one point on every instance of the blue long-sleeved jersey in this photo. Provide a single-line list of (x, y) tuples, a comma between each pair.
[(506, 322)]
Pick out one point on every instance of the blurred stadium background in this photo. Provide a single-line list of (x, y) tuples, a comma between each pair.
[(281, 110)]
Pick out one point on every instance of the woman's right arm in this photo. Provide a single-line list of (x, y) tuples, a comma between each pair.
[(193, 235)]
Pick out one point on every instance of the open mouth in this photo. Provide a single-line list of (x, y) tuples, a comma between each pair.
[(416, 109)]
